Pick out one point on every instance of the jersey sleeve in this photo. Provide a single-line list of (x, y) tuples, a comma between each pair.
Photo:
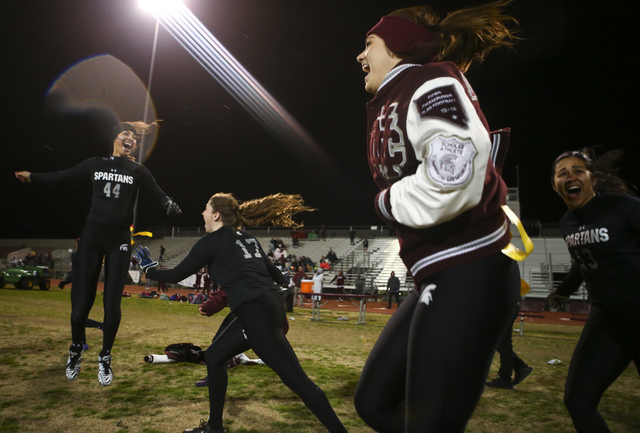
[(148, 182), (571, 282), (453, 150), (79, 172), (199, 256)]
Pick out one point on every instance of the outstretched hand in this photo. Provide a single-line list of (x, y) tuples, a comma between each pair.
[(143, 256), (23, 176), (172, 208), (557, 302)]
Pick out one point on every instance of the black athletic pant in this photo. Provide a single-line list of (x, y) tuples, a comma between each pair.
[(428, 368), (258, 325), (608, 343), (97, 244), (392, 295), (509, 361)]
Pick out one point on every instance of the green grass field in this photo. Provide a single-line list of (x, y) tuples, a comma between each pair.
[(35, 395)]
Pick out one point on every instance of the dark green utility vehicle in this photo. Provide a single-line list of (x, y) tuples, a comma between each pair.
[(26, 277)]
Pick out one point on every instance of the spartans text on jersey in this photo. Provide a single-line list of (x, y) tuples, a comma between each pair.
[(585, 237), (113, 177)]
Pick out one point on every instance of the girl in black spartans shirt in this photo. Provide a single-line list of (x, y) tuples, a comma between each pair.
[(602, 232), (237, 262), (105, 237)]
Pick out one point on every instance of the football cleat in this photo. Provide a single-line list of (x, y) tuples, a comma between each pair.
[(204, 428), (105, 374), (73, 364)]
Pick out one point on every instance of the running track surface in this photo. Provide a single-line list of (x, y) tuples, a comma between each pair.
[(372, 307)]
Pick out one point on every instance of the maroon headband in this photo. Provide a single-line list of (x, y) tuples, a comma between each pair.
[(400, 34)]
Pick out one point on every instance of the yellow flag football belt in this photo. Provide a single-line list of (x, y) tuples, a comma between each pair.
[(511, 250)]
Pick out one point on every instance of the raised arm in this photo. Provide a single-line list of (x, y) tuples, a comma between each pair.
[(198, 257)]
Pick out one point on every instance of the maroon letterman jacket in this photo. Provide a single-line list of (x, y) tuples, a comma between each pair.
[(429, 151)]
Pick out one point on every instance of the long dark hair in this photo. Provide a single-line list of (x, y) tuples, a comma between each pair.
[(604, 169), (464, 36), (277, 209)]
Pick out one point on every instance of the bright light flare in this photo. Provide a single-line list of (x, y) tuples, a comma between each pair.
[(158, 6), (185, 27)]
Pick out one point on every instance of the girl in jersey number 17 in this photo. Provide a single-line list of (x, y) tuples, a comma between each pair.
[(105, 237), (429, 152), (236, 262), (602, 232)]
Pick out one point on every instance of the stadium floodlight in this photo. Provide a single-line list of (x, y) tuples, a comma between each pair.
[(156, 6)]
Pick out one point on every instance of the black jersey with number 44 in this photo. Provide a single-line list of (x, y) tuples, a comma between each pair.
[(115, 181), (603, 237), (235, 261)]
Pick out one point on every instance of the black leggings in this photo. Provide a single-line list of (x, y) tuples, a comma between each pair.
[(98, 243), (428, 368), (510, 362), (258, 325), (607, 345)]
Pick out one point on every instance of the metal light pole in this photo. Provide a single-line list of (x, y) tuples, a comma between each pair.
[(145, 117)]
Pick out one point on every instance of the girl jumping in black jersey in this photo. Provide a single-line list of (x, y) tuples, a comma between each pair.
[(105, 237), (602, 232), (237, 262)]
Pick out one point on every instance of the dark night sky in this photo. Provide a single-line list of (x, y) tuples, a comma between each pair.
[(567, 85)]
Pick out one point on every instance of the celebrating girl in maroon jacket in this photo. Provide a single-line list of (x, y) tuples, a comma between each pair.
[(429, 151)]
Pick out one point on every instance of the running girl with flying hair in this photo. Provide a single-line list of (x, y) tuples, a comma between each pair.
[(237, 262)]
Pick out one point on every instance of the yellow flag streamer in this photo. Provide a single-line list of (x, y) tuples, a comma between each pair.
[(511, 250), (524, 287), (147, 234)]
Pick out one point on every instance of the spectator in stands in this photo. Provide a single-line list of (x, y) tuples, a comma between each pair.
[(442, 193), (162, 251), (340, 280), (365, 245), (393, 290), (331, 256), (308, 264), (352, 236), (297, 280), (324, 264), (602, 232), (277, 253)]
